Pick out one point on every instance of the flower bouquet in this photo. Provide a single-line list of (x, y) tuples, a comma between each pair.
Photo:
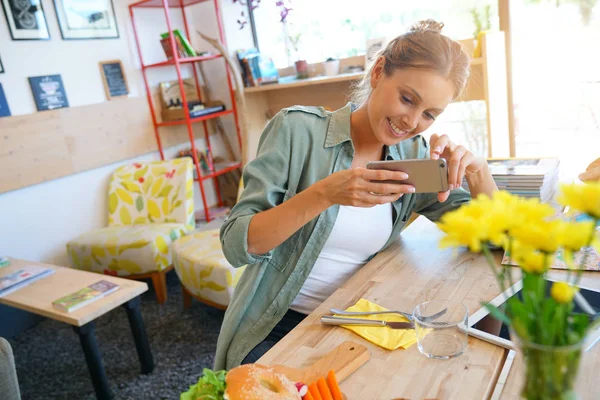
[(549, 333)]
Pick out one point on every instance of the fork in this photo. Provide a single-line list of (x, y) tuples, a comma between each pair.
[(406, 315), (344, 312)]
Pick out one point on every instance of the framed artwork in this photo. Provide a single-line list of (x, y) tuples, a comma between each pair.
[(4, 109), (48, 92), (86, 19), (26, 19)]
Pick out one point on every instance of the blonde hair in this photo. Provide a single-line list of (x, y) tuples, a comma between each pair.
[(422, 47)]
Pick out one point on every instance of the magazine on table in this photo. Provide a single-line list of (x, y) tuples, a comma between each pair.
[(11, 281), (85, 296)]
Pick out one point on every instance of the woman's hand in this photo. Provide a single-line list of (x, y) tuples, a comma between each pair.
[(361, 187), (461, 162)]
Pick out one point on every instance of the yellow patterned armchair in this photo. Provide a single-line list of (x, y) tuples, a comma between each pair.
[(150, 205), (203, 270)]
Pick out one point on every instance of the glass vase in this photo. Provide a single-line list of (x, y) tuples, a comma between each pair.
[(550, 371)]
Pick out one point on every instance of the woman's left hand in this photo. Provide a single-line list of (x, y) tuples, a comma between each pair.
[(460, 161)]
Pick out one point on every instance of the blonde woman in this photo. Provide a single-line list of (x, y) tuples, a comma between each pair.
[(309, 218)]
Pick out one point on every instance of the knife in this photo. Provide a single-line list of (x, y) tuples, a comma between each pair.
[(332, 320)]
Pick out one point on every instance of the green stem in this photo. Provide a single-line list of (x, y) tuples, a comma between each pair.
[(510, 280), (585, 255), (492, 263)]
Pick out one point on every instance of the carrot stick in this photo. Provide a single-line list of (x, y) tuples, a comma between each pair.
[(336, 393), (323, 389), (308, 396), (314, 391)]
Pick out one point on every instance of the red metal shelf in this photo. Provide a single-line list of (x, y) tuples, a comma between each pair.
[(198, 119), (171, 3), (220, 171), (183, 61), (225, 167)]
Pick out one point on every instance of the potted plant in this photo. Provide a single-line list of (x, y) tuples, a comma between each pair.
[(300, 65), (331, 66), (547, 331)]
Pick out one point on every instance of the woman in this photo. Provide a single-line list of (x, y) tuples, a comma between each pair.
[(311, 214)]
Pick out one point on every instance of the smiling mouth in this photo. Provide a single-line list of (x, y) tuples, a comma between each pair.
[(396, 130)]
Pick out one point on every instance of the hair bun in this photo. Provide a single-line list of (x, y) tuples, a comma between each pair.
[(427, 25)]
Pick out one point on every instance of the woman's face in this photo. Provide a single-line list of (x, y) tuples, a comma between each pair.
[(406, 103)]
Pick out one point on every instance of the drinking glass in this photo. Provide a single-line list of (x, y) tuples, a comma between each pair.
[(445, 336)]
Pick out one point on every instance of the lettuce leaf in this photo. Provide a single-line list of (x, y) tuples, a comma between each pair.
[(210, 386)]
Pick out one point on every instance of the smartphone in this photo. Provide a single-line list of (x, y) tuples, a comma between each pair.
[(427, 176)]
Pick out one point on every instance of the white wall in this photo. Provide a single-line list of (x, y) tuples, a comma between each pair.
[(37, 221)]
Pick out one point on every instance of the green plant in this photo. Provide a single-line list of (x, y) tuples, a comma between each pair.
[(482, 22)]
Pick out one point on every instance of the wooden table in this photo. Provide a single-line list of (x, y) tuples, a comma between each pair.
[(410, 272), (37, 298)]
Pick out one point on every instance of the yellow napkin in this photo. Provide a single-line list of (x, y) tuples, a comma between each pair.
[(385, 337)]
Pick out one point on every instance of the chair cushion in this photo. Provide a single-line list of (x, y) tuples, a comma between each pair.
[(152, 192), (125, 250), (203, 269)]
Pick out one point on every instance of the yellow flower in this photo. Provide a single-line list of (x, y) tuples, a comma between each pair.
[(575, 235), (461, 230), (562, 292), (482, 220), (540, 235), (530, 260), (582, 197)]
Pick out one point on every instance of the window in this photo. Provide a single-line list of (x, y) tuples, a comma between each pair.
[(340, 28), (556, 75)]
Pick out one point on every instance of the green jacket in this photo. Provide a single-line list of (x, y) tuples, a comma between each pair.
[(299, 146)]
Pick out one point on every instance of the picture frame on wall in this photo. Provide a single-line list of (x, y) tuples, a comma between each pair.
[(114, 79), (26, 19), (86, 19), (48, 92)]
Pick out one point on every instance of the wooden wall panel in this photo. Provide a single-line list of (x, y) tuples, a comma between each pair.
[(46, 145)]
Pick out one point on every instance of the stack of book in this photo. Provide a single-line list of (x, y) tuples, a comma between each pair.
[(526, 177), (257, 69), (184, 48)]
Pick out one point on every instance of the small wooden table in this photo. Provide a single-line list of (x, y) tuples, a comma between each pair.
[(37, 298), (410, 272)]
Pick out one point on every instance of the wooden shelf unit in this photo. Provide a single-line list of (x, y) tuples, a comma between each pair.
[(188, 121)]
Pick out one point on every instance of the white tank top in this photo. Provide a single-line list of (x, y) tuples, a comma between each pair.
[(357, 234)]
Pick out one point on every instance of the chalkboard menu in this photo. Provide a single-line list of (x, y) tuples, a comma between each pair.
[(48, 92), (115, 82)]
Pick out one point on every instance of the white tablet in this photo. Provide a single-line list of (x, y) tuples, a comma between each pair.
[(480, 319)]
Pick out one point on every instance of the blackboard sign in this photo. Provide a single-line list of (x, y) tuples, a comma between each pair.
[(115, 82), (4, 110), (48, 92)]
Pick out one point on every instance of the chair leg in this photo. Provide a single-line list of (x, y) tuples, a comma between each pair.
[(187, 298), (159, 281)]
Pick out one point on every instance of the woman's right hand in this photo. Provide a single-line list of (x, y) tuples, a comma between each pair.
[(361, 187)]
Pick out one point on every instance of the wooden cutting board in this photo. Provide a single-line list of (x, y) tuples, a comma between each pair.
[(343, 360)]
